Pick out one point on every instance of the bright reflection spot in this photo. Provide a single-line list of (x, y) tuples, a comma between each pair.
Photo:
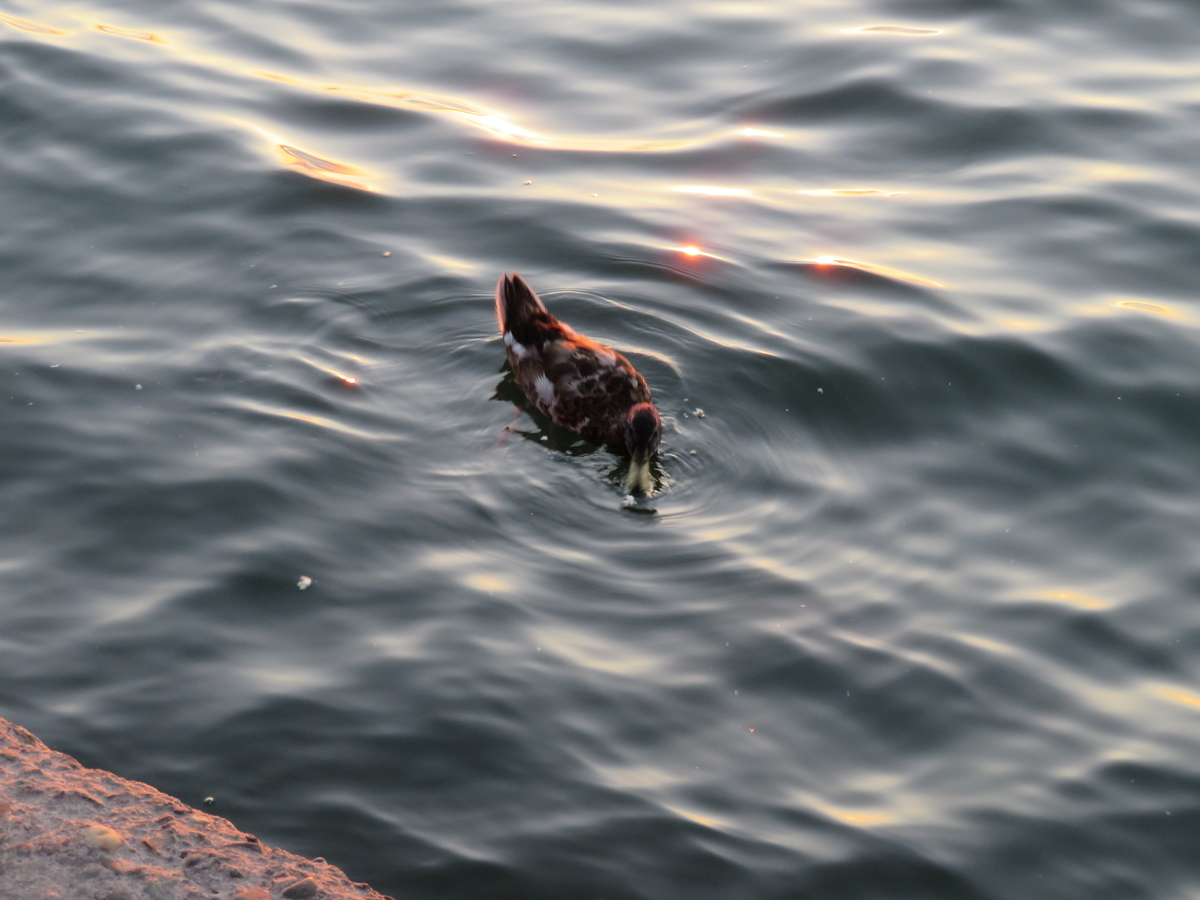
[(743, 9), (986, 644), (310, 164), (26, 25), (320, 421), (905, 30), (281, 677), (1176, 695), (1075, 599), (1144, 306), (340, 376), (495, 123), (857, 817), (487, 584), (135, 35), (759, 132), (694, 252), (592, 652), (709, 190), (1115, 173), (325, 169), (506, 130), (473, 570), (706, 821), (46, 337), (885, 271), (1020, 324), (450, 262), (850, 192)]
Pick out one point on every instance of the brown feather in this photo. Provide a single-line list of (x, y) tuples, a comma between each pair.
[(575, 381)]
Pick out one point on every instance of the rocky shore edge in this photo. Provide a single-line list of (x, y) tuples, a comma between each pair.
[(71, 833)]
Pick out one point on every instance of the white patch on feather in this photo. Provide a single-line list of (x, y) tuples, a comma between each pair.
[(514, 345), (545, 390)]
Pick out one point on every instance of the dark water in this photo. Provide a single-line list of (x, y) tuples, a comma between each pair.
[(915, 612)]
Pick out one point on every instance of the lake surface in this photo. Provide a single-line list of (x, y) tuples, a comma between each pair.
[(914, 613)]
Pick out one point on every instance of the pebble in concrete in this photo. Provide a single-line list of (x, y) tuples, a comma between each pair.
[(301, 890), (102, 838)]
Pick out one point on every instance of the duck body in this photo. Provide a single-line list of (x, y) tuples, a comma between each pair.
[(576, 382)]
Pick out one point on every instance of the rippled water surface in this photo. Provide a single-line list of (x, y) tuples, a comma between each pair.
[(914, 613)]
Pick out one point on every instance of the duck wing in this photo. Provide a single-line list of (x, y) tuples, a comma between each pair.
[(579, 383)]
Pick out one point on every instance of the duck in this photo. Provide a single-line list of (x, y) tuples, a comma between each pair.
[(577, 382)]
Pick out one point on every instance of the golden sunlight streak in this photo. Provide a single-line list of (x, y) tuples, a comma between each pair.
[(758, 132), (712, 191), (855, 817), (886, 271), (43, 337), (698, 818), (135, 35), (495, 123), (340, 376), (487, 583), (1074, 598), (327, 170), (904, 30), (1175, 695), (264, 409), (26, 25), (693, 251), (850, 192), (310, 164), (1145, 306)]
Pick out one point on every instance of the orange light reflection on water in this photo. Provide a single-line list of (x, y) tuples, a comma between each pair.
[(335, 373), (1176, 695), (694, 252), (1157, 309), (311, 164), (148, 36), (858, 817), (26, 25), (326, 169), (886, 271), (1075, 598), (502, 125), (495, 123)]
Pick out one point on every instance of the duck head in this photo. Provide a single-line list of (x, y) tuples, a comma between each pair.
[(643, 431)]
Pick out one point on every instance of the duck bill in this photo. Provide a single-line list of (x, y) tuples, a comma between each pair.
[(638, 481)]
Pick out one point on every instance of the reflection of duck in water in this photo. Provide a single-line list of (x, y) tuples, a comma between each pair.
[(578, 383)]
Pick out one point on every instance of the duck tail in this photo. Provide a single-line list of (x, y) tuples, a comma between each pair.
[(516, 303)]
